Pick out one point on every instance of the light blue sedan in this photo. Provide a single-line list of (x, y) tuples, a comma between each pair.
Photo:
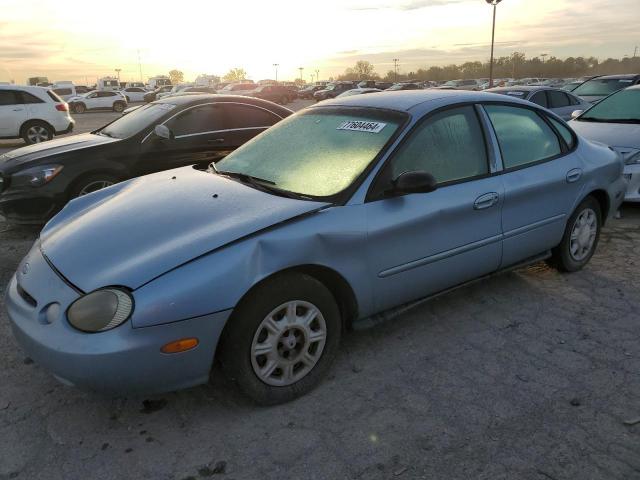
[(344, 210)]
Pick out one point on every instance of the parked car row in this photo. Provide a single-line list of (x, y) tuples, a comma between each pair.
[(341, 211)]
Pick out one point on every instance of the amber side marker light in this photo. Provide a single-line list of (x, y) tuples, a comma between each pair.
[(181, 345)]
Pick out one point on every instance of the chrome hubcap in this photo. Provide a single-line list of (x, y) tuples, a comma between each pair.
[(583, 234), (288, 343), (94, 187), (37, 134)]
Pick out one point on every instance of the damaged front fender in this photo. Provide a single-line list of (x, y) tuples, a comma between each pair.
[(332, 238)]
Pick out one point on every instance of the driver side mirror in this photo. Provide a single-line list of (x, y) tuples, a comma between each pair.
[(576, 113), (413, 182), (162, 131)]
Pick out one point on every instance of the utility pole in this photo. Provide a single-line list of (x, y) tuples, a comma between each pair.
[(139, 65), (493, 37), (395, 69), (635, 52), (276, 65)]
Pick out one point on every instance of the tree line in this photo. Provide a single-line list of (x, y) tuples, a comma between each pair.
[(515, 65)]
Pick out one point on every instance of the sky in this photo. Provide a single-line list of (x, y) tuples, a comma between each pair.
[(83, 40)]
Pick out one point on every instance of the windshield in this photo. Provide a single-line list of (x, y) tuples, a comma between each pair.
[(136, 121), (623, 107), (602, 86), (316, 153)]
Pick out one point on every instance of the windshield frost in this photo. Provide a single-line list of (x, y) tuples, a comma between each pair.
[(314, 153), (623, 106)]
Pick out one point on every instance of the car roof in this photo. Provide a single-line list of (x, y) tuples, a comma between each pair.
[(195, 98), (526, 88), (623, 75), (26, 88), (405, 100)]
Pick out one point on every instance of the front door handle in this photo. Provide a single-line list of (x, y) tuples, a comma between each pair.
[(18, 109), (216, 140), (574, 175), (486, 201)]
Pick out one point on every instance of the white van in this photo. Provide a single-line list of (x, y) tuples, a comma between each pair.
[(64, 89), (159, 81), (108, 84), (135, 85)]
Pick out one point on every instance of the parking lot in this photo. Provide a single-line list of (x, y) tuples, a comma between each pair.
[(527, 375)]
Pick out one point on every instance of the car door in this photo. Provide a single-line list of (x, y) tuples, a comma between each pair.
[(423, 243), (540, 98), (12, 113), (542, 178), (197, 140), (243, 122), (92, 101), (106, 99), (560, 104)]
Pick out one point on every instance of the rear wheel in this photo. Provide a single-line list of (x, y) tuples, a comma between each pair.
[(36, 132), (118, 107), (79, 108), (580, 238), (93, 183), (282, 339)]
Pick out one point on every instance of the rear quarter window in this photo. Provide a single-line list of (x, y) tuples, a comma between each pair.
[(30, 98)]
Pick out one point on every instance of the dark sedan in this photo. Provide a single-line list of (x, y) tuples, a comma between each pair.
[(333, 90), (307, 92), (37, 181), (151, 96)]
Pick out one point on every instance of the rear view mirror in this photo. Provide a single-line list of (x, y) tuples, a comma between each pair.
[(163, 131), (413, 182), (576, 113)]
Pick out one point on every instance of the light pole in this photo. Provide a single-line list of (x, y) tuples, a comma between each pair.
[(493, 37), (543, 55), (276, 65), (395, 69), (301, 69), (118, 70), (317, 75)]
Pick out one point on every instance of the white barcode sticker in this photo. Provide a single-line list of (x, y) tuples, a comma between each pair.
[(362, 126)]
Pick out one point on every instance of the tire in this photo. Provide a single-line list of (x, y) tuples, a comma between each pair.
[(282, 100), (37, 132), (584, 225), (118, 107), (92, 183), (246, 330), (79, 108)]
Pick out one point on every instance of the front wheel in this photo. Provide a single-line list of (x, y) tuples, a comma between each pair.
[(580, 238), (282, 339), (92, 183)]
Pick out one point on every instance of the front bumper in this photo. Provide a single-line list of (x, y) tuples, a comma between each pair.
[(124, 360), (632, 175), (29, 205)]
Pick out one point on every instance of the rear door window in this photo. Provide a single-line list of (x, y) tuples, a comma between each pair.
[(524, 137), (540, 98), (9, 97), (247, 116), (558, 99), (198, 120), (30, 98)]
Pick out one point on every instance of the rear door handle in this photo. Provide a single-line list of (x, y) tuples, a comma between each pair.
[(486, 201), (216, 140), (18, 109), (574, 175)]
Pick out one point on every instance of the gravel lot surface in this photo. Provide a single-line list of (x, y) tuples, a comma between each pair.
[(528, 375)]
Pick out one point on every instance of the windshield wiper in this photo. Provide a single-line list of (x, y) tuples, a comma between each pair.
[(262, 184), (610, 120)]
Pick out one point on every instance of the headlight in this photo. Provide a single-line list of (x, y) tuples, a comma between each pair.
[(100, 310), (36, 176)]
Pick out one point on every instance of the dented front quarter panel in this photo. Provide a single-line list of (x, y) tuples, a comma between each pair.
[(333, 238)]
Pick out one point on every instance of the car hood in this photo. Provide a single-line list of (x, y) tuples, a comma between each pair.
[(612, 134), (23, 155), (135, 231)]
